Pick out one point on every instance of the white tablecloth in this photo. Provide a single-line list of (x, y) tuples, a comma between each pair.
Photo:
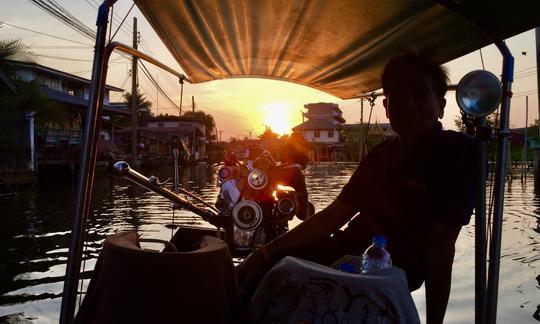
[(300, 291)]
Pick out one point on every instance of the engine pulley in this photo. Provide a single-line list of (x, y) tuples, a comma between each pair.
[(257, 179), (287, 206), (247, 215)]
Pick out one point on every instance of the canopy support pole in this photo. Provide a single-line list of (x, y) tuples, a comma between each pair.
[(480, 244), (86, 168), (500, 175), (85, 180)]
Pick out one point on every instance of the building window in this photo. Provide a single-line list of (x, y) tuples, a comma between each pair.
[(316, 134), (330, 133)]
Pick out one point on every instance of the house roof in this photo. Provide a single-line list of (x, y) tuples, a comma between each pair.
[(322, 108), (316, 124), (38, 67), (78, 101)]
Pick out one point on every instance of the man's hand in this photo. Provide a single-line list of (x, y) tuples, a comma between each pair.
[(312, 230)]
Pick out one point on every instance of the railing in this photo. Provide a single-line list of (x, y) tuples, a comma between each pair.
[(59, 136), (64, 144)]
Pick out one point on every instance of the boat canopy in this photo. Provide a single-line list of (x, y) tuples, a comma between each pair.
[(339, 47)]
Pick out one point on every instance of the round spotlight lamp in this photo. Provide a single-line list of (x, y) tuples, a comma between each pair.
[(479, 93)]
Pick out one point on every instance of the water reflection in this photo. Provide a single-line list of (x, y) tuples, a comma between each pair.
[(35, 227)]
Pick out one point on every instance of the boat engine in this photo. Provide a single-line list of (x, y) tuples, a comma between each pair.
[(257, 200)]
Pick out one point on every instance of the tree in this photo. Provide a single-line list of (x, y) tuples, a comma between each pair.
[(271, 142), (13, 50), (268, 135), (143, 106), (28, 97), (202, 118), (458, 121)]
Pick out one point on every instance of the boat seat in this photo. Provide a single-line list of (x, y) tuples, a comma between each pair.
[(132, 285)]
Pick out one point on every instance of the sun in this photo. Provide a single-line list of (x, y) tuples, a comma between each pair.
[(277, 117)]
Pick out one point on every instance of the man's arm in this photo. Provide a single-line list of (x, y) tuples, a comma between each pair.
[(313, 229), (439, 269)]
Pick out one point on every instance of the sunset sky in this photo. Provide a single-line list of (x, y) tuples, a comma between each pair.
[(239, 106)]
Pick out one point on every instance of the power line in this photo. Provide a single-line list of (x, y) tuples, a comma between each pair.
[(63, 58), (37, 32), (525, 93), (124, 83), (55, 10), (525, 75), (90, 70), (144, 45), (165, 76), (128, 31), (61, 47), (95, 5), (147, 73), (229, 115), (121, 23), (526, 69)]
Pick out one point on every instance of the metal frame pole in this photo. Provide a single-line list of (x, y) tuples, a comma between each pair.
[(502, 157), (85, 182), (480, 226), (86, 168)]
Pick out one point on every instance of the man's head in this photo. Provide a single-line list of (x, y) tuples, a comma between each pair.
[(414, 89)]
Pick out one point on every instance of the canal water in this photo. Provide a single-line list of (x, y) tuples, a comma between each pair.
[(35, 227)]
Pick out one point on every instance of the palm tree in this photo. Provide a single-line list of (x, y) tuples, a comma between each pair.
[(13, 50), (143, 104), (28, 97)]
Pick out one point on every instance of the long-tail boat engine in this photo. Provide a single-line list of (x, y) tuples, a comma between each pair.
[(257, 200)]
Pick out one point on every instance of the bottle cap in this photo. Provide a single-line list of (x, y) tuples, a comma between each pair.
[(379, 240), (346, 267)]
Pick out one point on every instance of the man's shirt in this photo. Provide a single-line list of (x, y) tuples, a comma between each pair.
[(401, 188)]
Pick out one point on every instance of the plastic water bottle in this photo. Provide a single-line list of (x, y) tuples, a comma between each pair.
[(376, 257)]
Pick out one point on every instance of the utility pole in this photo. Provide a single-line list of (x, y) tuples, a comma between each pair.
[(303, 126), (193, 126), (524, 156), (361, 133), (181, 97), (537, 151), (157, 95), (134, 108), (537, 34)]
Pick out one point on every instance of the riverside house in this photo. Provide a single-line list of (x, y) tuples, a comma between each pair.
[(53, 136), (162, 131), (323, 130)]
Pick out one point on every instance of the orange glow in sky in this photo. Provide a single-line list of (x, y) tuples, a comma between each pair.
[(277, 117), (242, 108)]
